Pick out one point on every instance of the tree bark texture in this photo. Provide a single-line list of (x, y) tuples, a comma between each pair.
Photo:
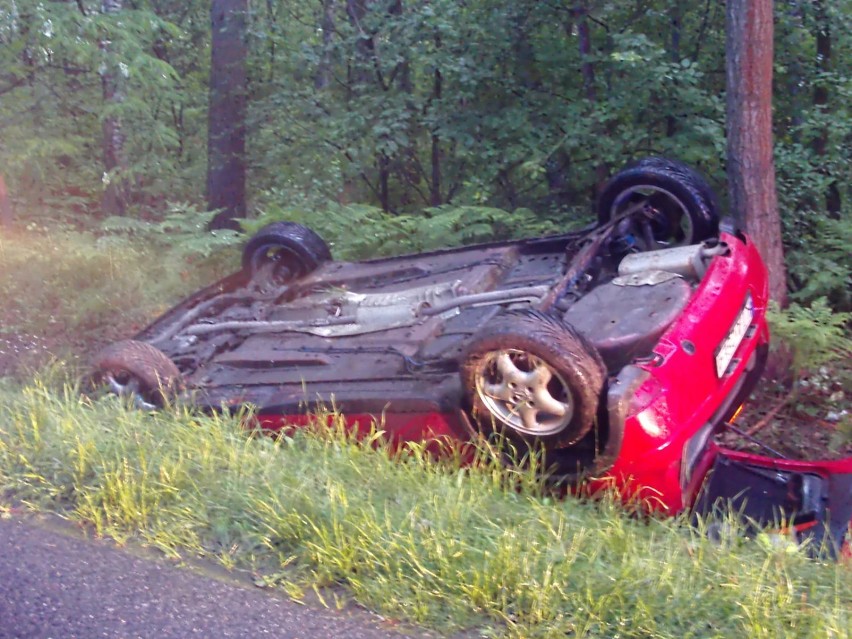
[(5, 205), (437, 95), (584, 42), (226, 122), (115, 196), (751, 167)]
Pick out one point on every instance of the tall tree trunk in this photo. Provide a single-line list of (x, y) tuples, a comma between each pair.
[(587, 69), (823, 63), (437, 93), (675, 19), (115, 196), (226, 123), (584, 44), (361, 74), (5, 205), (323, 77), (751, 168)]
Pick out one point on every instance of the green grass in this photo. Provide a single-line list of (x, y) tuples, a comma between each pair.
[(78, 289), (430, 543)]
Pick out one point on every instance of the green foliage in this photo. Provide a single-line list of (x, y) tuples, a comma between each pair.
[(53, 106), (183, 229), (516, 106), (820, 262), (458, 549), (815, 335), (380, 234)]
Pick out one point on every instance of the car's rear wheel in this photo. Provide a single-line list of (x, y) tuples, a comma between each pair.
[(291, 249), (137, 370), (664, 203), (534, 378)]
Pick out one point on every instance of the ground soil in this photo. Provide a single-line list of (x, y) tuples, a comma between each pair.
[(810, 418)]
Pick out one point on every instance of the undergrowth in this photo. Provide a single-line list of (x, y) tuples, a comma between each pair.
[(82, 288), (814, 334), (432, 543), (814, 342), (361, 232)]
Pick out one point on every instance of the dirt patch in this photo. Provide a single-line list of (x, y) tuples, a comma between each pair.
[(812, 419), (21, 352)]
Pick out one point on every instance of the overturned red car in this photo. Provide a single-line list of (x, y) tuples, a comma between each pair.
[(621, 350)]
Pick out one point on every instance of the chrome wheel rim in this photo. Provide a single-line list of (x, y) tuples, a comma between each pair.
[(276, 259), (661, 220), (523, 392), (129, 386)]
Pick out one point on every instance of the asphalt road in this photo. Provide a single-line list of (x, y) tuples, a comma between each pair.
[(59, 586)]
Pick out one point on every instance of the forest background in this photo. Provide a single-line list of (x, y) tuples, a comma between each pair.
[(408, 108)]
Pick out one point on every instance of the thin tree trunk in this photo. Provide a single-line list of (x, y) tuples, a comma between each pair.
[(674, 56), (357, 11), (437, 92), (226, 124), (5, 205), (323, 77), (384, 182), (584, 42), (115, 196), (823, 62), (587, 69), (751, 168)]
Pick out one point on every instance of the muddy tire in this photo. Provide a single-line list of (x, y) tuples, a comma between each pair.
[(675, 204), (137, 370), (534, 378), (294, 250)]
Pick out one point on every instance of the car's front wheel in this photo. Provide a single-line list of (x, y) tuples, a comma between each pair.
[(533, 377)]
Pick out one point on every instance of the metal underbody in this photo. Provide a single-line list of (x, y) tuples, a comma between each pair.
[(389, 333)]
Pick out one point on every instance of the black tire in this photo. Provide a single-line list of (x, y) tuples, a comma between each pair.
[(518, 398), (294, 249), (138, 370), (679, 205)]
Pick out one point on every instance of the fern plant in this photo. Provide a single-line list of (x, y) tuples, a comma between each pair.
[(183, 229), (814, 334), (818, 261), (815, 337), (360, 231)]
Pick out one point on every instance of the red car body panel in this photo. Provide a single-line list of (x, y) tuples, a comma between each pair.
[(683, 393)]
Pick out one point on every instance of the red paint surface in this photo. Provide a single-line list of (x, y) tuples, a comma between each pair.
[(400, 427), (684, 392)]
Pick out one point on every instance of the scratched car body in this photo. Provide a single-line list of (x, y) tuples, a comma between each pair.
[(621, 349)]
